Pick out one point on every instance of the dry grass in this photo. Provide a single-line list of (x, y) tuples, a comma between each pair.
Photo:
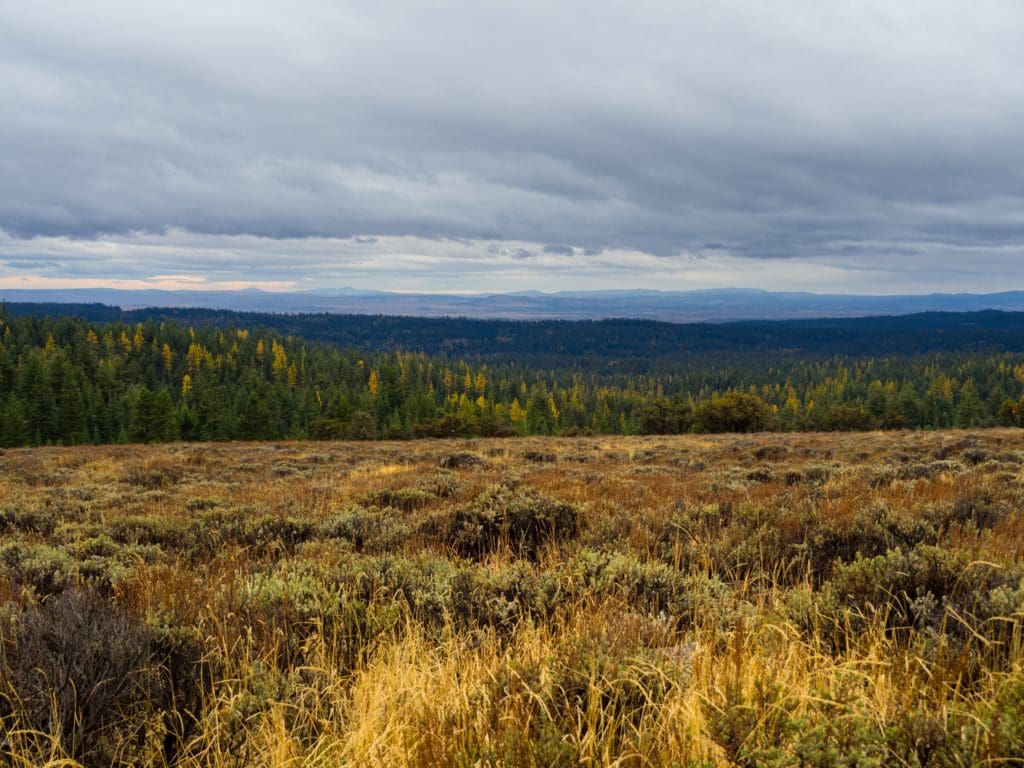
[(775, 600)]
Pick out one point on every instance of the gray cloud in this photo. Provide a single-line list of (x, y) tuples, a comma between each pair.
[(35, 266), (854, 136), (562, 250)]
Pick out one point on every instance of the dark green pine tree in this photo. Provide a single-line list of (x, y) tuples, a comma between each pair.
[(14, 427), (33, 390), (212, 411), (539, 419), (70, 414), (257, 422), (154, 417)]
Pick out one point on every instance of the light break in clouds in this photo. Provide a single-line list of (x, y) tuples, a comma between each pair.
[(843, 146)]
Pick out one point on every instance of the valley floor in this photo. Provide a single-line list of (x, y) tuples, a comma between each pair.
[(771, 599)]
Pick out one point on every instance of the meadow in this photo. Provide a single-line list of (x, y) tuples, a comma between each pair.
[(849, 599)]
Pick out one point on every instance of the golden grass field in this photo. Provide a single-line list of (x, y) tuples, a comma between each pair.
[(761, 600)]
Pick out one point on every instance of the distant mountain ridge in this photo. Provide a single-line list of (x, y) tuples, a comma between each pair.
[(713, 305)]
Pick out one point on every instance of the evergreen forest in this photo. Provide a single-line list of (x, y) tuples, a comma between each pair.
[(152, 377)]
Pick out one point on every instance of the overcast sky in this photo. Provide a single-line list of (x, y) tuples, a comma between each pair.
[(851, 146)]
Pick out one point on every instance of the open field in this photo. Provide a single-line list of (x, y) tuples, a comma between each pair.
[(775, 600)]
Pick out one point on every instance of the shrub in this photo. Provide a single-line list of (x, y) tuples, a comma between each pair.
[(816, 473), (974, 456), (976, 507), (499, 597), (511, 515), (921, 588), (147, 529), (871, 531), (752, 729), (423, 584), (273, 531), (286, 608), (540, 457), (405, 499), (368, 530), (793, 477), (207, 533), (760, 475), (179, 654), (202, 504), (653, 588), (43, 569), (442, 484), (998, 725), (771, 453), (463, 459), (79, 669), (158, 472), (927, 470), (28, 521)]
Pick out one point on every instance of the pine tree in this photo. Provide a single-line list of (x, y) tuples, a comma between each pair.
[(256, 422), (14, 427)]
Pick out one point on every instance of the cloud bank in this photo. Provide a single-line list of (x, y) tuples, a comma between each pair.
[(865, 146)]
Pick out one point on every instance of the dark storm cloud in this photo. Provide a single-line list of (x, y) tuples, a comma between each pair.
[(849, 132)]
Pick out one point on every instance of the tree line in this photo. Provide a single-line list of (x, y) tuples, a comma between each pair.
[(66, 380), (629, 345)]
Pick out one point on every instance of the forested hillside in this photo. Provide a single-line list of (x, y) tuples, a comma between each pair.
[(68, 380), (634, 346)]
